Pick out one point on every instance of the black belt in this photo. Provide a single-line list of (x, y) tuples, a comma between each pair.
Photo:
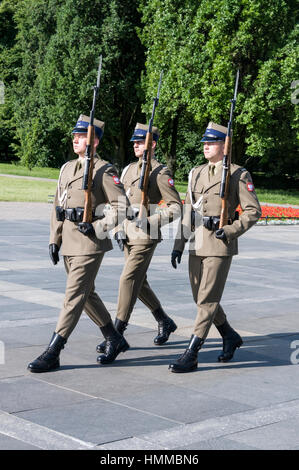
[(73, 214), (212, 222)]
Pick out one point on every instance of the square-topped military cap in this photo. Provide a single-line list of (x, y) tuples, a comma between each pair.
[(141, 130), (82, 125), (214, 133)]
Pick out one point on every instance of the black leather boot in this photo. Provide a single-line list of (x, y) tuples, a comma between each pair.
[(120, 326), (165, 326), (49, 359), (231, 341), (115, 343), (188, 360)]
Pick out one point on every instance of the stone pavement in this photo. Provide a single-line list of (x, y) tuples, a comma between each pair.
[(249, 403)]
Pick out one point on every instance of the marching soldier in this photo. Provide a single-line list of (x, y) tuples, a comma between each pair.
[(139, 244), (211, 249), (83, 246)]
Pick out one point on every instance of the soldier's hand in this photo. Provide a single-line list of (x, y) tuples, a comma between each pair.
[(86, 228), (53, 252), (220, 234), (121, 239), (176, 257)]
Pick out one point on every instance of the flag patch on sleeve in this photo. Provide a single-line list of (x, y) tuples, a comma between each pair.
[(250, 187), (116, 179), (171, 182)]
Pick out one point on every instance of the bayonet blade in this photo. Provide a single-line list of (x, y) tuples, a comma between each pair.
[(99, 72), (236, 85), (159, 86)]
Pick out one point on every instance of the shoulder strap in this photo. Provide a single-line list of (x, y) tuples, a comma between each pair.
[(61, 196), (196, 204), (124, 172)]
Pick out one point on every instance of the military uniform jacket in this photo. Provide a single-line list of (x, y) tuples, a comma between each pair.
[(106, 188), (241, 191), (160, 187)]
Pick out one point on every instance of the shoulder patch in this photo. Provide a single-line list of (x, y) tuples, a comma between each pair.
[(116, 179), (250, 186), (171, 182)]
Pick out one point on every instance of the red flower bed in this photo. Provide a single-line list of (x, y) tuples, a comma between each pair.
[(275, 212)]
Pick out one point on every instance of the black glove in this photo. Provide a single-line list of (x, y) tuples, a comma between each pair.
[(176, 257), (53, 252), (86, 228), (121, 239), (220, 234)]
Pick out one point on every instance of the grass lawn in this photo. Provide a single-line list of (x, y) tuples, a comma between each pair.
[(274, 196), (16, 169), (20, 190)]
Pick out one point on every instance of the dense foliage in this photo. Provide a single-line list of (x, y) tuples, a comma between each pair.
[(49, 52)]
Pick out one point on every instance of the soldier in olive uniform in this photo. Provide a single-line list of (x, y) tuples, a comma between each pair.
[(211, 249), (139, 244), (83, 246)]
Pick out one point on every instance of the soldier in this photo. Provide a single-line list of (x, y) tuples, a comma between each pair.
[(211, 249), (83, 246), (139, 244)]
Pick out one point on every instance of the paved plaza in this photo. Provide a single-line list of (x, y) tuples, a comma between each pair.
[(135, 403)]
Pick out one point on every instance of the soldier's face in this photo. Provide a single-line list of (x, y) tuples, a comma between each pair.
[(213, 151), (80, 142), (139, 147)]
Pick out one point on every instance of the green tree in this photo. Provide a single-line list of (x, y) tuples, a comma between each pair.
[(200, 45), (59, 42), (9, 62)]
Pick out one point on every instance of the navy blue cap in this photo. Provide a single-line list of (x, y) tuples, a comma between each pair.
[(82, 125), (214, 133), (141, 130)]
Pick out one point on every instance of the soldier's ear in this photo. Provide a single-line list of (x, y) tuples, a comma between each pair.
[(96, 141), (154, 144)]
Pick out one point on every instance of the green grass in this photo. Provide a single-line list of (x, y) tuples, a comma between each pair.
[(16, 169), (278, 196), (19, 190), (274, 196)]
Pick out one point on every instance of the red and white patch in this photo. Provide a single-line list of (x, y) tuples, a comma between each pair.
[(250, 187), (116, 179), (171, 182)]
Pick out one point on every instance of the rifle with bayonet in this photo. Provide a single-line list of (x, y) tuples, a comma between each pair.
[(89, 154), (226, 162), (146, 160)]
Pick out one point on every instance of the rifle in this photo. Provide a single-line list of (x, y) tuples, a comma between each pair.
[(146, 158), (226, 162), (89, 154)]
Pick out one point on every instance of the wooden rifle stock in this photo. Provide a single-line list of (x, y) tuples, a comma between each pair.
[(146, 159), (87, 178), (89, 154), (145, 171), (224, 187), (225, 182)]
